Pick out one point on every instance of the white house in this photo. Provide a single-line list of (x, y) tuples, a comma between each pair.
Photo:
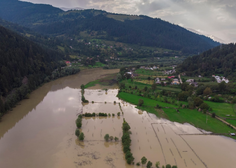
[(157, 80), (190, 80)]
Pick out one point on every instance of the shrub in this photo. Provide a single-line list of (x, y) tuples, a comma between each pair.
[(116, 139), (143, 160), (77, 132), (126, 148), (140, 102), (168, 166), (79, 122), (111, 138), (138, 164), (213, 115), (149, 164), (113, 115), (81, 136), (106, 137), (84, 100), (118, 114), (204, 106)]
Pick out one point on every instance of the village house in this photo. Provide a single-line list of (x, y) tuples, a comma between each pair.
[(190, 80), (175, 82), (157, 81), (195, 84)]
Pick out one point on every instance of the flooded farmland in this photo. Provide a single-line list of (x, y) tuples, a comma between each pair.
[(40, 132)]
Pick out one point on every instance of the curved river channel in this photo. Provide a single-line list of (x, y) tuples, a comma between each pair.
[(40, 132)]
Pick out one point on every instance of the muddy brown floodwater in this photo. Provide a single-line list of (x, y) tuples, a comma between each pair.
[(40, 132)]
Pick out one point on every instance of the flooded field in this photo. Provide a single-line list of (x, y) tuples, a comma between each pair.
[(40, 132)]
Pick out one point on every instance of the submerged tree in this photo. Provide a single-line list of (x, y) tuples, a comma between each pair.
[(81, 136), (106, 137), (143, 160)]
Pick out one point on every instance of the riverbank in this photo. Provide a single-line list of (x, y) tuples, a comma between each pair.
[(24, 93)]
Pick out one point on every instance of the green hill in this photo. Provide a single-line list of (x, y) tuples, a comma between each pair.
[(220, 60), (23, 65), (139, 30)]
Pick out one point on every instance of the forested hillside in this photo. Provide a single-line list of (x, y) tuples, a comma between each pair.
[(220, 60), (139, 30), (23, 65)]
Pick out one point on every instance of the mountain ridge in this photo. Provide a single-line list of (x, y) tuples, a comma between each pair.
[(134, 29)]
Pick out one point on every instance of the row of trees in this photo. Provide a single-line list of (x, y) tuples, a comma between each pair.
[(78, 122), (126, 141)]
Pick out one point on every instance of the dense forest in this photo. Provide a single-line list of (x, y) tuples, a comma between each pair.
[(217, 61), (139, 30), (24, 66)]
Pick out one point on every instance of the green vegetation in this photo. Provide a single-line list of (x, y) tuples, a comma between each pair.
[(126, 141), (134, 99), (90, 84), (106, 137), (197, 119), (81, 136), (224, 110), (213, 62), (77, 132), (143, 160), (79, 121)]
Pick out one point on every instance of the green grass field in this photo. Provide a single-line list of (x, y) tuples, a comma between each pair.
[(147, 102), (142, 85), (222, 109), (233, 122), (198, 119)]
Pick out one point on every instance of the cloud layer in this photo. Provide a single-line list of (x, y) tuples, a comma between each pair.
[(209, 17)]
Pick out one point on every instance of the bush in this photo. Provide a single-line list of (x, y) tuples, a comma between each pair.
[(118, 114), (79, 122), (116, 139), (111, 138), (213, 115), (198, 101), (138, 164), (81, 136), (113, 115), (129, 157), (168, 166), (126, 148), (204, 106), (143, 160), (77, 132), (84, 100), (140, 102), (149, 164), (106, 137)]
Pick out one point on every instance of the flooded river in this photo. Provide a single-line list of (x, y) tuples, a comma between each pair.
[(40, 132)]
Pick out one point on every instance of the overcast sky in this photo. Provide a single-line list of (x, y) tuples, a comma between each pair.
[(209, 17)]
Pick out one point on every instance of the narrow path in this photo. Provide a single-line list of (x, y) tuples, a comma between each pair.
[(180, 80)]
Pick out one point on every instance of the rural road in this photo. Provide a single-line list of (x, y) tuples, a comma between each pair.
[(180, 80)]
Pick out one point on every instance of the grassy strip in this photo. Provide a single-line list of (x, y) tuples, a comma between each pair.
[(147, 102), (90, 84)]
